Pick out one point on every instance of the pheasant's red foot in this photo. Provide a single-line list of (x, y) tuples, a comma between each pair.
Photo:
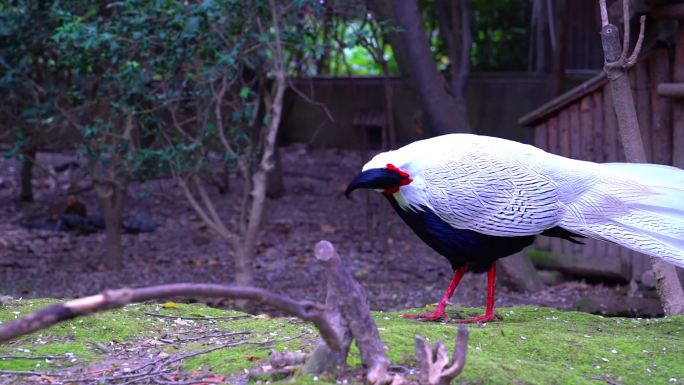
[(437, 315)]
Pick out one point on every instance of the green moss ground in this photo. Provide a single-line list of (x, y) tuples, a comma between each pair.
[(530, 345)]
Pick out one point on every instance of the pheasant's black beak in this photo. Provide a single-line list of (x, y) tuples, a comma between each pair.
[(375, 178)]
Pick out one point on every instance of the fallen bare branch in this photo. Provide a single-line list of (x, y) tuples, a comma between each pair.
[(203, 336), (434, 363), (232, 317), (30, 373), (8, 357)]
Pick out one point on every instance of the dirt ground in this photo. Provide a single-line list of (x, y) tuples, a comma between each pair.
[(394, 266)]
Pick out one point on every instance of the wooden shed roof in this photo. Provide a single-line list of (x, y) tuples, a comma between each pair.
[(555, 105)]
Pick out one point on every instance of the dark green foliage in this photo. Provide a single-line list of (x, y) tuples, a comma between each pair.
[(501, 34), (500, 31)]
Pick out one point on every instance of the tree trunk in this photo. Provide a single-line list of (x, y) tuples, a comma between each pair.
[(445, 113), (559, 49), (244, 274), (27, 174), (112, 219), (275, 188), (521, 273), (538, 50), (111, 200), (391, 130), (244, 263)]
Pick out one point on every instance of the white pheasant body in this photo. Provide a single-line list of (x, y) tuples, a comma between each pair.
[(503, 188)]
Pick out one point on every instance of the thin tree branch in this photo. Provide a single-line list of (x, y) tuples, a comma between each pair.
[(10, 357), (309, 100), (604, 13), (110, 299), (626, 30), (552, 24), (640, 41), (229, 318), (208, 204), (217, 227)]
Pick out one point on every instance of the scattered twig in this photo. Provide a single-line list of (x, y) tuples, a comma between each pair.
[(102, 347), (231, 317), (190, 382), (217, 335), (31, 373), (7, 357), (228, 345), (136, 376)]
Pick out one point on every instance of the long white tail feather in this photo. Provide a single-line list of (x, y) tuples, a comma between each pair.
[(650, 217), (652, 174)]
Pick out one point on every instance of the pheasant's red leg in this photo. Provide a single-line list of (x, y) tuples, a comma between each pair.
[(439, 312), (489, 312)]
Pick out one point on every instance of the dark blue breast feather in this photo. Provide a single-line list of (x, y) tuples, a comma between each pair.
[(460, 246)]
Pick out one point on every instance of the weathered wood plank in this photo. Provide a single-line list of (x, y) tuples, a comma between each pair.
[(611, 143), (552, 107), (640, 264), (553, 137), (599, 247), (543, 243), (661, 112), (673, 90), (540, 136), (613, 250), (564, 132), (598, 127), (576, 133), (586, 140), (643, 104)]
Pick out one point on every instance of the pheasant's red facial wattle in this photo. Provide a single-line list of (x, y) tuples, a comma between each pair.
[(405, 179)]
